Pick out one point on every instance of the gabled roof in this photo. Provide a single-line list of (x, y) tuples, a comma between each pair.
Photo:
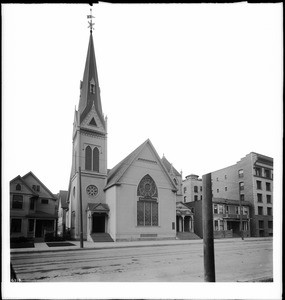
[(63, 198), (25, 184), (169, 167), (100, 207), (118, 171), (41, 215), (37, 179)]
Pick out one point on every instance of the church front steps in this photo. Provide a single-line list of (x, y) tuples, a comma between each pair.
[(187, 236), (101, 237)]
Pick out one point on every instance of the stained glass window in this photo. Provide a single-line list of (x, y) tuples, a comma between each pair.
[(140, 215)]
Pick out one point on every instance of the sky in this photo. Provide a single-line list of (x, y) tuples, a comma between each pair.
[(202, 81)]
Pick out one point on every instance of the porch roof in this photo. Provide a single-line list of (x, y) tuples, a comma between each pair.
[(41, 215), (98, 207)]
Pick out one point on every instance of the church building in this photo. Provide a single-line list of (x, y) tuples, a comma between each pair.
[(136, 199)]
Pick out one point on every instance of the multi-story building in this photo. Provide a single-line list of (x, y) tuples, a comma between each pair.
[(33, 207), (249, 180), (247, 184), (192, 188)]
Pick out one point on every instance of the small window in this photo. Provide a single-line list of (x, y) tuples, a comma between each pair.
[(38, 188), (268, 186), (245, 210), (196, 198), (218, 190), (241, 186), (217, 178), (16, 225), (74, 191), (237, 210), (18, 187), (259, 197), (226, 188), (200, 188), (225, 176), (195, 189), (261, 224), (258, 172), (268, 199), (241, 197), (269, 211), (260, 210), (17, 202), (258, 184), (201, 197), (184, 189), (184, 198), (175, 181), (227, 209), (240, 173), (44, 201), (92, 88), (267, 173), (215, 208)]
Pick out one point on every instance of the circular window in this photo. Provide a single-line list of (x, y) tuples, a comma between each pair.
[(92, 190)]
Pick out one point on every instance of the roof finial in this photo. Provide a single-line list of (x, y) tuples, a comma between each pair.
[(90, 22)]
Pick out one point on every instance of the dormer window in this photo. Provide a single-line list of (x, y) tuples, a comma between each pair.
[(92, 88)]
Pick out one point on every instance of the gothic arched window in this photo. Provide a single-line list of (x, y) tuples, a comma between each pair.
[(88, 158), (96, 159), (18, 187), (147, 205)]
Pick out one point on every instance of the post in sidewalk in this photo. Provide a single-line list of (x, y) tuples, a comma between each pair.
[(208, 230), (80, 203)]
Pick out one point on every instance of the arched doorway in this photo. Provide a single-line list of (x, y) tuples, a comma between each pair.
[(99, 222)]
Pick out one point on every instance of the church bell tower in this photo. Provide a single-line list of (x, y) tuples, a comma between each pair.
[(89, 150)]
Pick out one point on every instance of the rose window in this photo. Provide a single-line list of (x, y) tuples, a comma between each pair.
[(92, 190)]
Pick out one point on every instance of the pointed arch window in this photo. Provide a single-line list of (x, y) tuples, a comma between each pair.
[(18, 187), (96, 159), (147, 205), (88, 158), (92, 159)]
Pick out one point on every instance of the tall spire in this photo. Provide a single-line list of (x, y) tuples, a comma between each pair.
[(89, 87)]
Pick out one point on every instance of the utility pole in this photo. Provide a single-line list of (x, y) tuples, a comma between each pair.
[(208, 230), (240, 219), (81, 217)]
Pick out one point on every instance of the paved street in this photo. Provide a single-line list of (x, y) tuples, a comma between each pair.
[(235, 260)]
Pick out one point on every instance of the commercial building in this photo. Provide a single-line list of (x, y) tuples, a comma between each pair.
[(247, 184)]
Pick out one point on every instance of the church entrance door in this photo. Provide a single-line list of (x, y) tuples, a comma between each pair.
[(98, 223)]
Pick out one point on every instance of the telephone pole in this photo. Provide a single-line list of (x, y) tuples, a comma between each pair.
[(80, 203), (208, 230)]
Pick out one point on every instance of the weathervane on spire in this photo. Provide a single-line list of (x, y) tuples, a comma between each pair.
[(90, 22)]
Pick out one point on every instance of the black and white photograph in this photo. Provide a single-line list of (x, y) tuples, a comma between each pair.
[(142, 151)]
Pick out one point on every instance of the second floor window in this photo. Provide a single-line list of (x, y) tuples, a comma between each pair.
[(17, 202)]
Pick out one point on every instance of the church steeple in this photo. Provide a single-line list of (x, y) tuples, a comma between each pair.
[(89, 87)]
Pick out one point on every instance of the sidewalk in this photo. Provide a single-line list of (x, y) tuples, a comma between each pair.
[(43, 247)]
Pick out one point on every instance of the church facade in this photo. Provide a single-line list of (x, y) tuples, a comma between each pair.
[(137, 198)]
